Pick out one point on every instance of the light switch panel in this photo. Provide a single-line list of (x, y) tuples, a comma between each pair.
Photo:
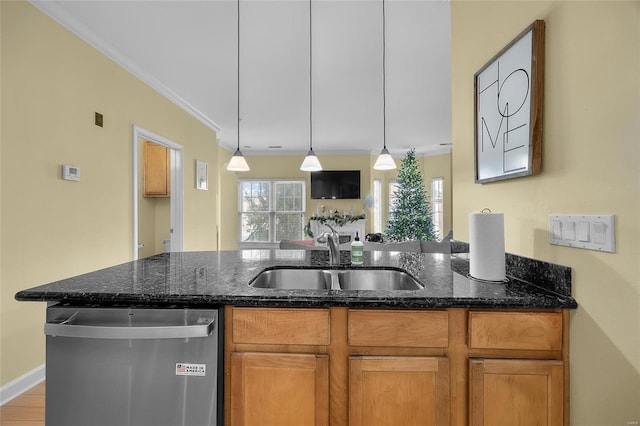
[(591, 232), (569, 231), (600, 233), (583, 231), (556, 229)]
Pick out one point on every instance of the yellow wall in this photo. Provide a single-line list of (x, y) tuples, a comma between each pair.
[(590, 165), (1, 239), (288, 167), (52, 83)]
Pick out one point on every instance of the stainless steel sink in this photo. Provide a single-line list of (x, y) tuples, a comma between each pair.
[(377, 279), (336, 279), (288, 279)]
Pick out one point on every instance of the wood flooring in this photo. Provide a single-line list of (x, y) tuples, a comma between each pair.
[(25, 410)]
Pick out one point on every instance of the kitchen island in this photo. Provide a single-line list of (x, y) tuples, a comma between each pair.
[(196, 278), (458, 351)]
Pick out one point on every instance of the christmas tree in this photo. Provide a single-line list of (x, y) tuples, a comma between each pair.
[(410, 217)]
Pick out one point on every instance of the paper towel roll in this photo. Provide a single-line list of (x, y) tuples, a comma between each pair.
[(486, 246)]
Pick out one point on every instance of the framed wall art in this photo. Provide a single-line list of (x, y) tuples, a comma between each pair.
[(202, 181), (508, 109)]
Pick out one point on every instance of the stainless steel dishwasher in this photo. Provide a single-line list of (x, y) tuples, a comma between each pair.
[(138, 367)]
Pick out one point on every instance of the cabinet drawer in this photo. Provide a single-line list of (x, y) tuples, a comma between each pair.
[(515, 330), (281, 326), (418, 329)]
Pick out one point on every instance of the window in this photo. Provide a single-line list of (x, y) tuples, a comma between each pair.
[(377, 205), (393, 188), (437, 206), (270, 211)]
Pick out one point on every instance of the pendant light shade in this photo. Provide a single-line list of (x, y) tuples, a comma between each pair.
[(385, 160), (310, 162), (237, 162)]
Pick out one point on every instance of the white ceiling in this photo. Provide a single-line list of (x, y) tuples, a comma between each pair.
[(187, 50)]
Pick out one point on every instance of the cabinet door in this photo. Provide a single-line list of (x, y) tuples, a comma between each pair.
[(516, 392), (157, 170), (273, 389), (402, 391)]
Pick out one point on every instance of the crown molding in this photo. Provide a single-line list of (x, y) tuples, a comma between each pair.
[(55, 12)]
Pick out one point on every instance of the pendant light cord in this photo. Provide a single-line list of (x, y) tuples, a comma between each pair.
[(310, 86), (384, 82), (238, 75)]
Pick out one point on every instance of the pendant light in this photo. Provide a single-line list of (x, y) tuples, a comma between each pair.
[(310, 162), (385, 160), (237, 162)]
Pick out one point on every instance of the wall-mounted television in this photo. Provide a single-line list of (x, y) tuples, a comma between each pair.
[(335, 184)]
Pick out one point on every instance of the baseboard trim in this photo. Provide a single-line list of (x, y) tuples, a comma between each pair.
[(22, 384)]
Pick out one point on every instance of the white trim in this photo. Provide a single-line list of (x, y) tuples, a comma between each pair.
[(17, 387), (177, 187), (55, 12)]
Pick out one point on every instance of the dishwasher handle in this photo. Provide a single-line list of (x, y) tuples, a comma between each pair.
[(64, 329)]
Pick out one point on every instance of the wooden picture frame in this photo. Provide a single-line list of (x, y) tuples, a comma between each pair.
[(508, 100)]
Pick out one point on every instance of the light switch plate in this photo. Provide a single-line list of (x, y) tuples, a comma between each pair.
[(591, 232)]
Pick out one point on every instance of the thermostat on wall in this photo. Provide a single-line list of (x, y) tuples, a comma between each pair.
[(70, 172)]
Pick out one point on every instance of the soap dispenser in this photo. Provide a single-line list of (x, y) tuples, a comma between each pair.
[(357, 251)]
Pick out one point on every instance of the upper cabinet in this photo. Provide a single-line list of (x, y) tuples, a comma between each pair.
[(157, 170)]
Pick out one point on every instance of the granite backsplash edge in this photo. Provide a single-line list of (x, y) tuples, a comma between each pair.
[(550, 276)]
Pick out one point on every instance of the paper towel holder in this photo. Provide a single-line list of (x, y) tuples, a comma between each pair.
[(503, 281), (489, 222)]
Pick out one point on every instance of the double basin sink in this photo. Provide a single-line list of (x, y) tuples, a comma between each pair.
[(335, 279)]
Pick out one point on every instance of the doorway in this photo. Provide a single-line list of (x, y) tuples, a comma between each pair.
[(153, 228)]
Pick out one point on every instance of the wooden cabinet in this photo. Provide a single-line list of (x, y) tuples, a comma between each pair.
[(366, 367), (518, 368), (515, 330), (407, 388), (156, 170), (281, 326), (277, 367), (516, 392), (398, 328), (398, 391), (273, 389)]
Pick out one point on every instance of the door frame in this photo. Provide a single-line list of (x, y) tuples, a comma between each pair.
[(177, 186)]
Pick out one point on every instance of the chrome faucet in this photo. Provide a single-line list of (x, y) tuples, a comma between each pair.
[(333, 242)]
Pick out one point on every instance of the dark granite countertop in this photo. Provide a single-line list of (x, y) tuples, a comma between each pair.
[(212, 278)]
